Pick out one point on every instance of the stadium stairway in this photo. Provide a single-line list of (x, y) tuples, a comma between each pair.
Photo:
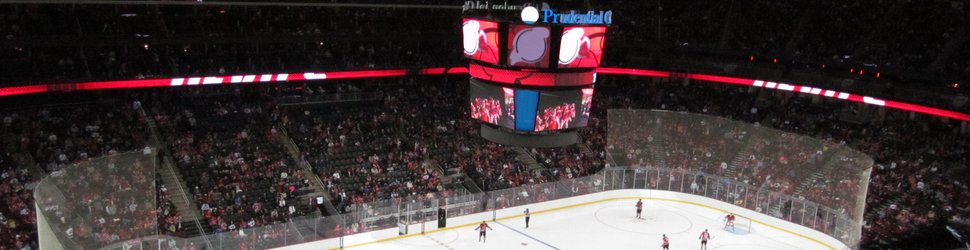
[(585, 150), (192, 221), (659, 151), (470, 185), (445, 179), (745, 151), (820, 172), (36, 172), (872, 213), (817, 174), (525, 157), (185, 207), (316, 188)]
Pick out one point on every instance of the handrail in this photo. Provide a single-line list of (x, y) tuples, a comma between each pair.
[(165, 156), (297, 155)]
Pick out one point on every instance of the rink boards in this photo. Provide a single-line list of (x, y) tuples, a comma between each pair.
[(605, 216)]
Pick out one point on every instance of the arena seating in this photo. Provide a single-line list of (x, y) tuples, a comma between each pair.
[(194, 122), (228, 146), (17, 215), (59, 137), (231, 157), (912, 157), (213, 40)]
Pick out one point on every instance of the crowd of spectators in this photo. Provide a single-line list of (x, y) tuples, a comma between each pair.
[(106, 200), (156, 41), (389, 147), (165, 40), (567, 162), (57, 140), (232, 158), (862, 33), (764, 158), (230, 150), (494, 166), (58, 137), (910, 154), (18, 223), (227, 145)]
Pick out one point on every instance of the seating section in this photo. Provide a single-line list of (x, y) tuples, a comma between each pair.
[(231, 157), (228, 143), (215, 40), (396, 146), (493, 166), (17, 216), (567, 162), (57, 137), (914, 160), (61, 137)]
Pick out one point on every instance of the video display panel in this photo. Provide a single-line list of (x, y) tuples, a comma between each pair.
[(529, 46), (563, 109), (480, 40), (581, 47), (492, 104)]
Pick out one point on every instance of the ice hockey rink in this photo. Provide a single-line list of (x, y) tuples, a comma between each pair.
[(601, 221)]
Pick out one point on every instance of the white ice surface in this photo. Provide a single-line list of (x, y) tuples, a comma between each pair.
[(606, 225)]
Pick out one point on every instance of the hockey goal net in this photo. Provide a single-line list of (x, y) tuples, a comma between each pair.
[(742, 224)]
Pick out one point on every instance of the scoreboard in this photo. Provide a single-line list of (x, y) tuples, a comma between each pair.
[(533, 78)]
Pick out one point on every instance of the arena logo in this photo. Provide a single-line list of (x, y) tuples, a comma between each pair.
[(603, 17)]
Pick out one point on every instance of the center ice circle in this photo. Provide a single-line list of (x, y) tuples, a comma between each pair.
[(654, 222)]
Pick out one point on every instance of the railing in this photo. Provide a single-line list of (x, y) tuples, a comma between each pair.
[(418, 209), (163, 156)]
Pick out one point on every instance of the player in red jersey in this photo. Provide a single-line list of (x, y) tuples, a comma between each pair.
[(639, 208), (729, 222), (481, 231), (666, 244), (704, 237)]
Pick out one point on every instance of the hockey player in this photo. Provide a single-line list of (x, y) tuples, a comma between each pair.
[(704, 237), (481, 231), (527, 214), (729, 221), (639, 207)]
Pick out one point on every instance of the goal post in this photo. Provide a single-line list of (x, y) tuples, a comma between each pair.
[(742, 224)]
